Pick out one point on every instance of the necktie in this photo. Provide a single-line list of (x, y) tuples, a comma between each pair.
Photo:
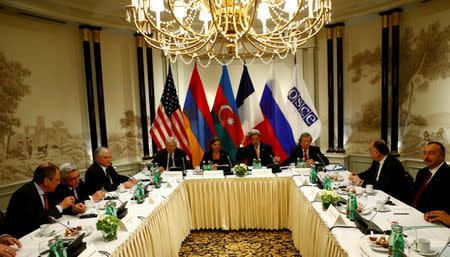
[(170, 160), (74, 192), (421, 188), (109, 177), (305, 155), (45, 201), (257, 153)]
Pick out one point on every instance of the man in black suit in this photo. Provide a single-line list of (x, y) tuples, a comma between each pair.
[(386, 173), (29, 206), (433, 182), (102, 175), (72, 185), (171, 157), (304, 149), (256, 150)]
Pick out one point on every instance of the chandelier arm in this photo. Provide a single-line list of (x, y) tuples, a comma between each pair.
[(213, 16), (180, 23)]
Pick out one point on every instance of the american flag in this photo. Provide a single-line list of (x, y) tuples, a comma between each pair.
[(169, 118)]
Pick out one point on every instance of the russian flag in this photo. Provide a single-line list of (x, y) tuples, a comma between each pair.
[(275, 123), (226, 115), (197, 118)]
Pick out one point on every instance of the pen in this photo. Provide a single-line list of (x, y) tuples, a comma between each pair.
[(401, 213)]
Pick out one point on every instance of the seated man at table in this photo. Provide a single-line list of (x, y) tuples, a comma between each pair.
[(29, 206), (386, 173), (72, 185), (171, 157), (304, 150), (6, 241), (432, 182), (102, 175), (256, 150)]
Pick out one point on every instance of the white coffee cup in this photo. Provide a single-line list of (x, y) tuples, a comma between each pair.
[(369, 189), (423, 245)]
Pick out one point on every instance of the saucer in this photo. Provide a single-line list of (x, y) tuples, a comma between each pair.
[(430, 253), (378, 248), (371, 193)]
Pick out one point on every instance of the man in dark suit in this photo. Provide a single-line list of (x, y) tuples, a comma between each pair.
[(256, 150), (29, 206), (102, 175), (433, 182), (171, 157), (386, 173), (304, 150), (72, 185)]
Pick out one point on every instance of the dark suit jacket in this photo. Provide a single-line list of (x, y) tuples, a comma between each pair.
[(179, 158), (393, 179), (25, 211), (434, 197), (62, 191), (313, 153), (96, 178), (248, 154), (223, 160)]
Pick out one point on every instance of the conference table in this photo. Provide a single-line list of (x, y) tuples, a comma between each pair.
[(261, 200)]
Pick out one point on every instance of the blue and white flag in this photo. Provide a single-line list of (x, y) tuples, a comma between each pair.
[(300, 111)]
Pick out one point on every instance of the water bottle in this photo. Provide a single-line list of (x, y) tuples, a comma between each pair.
[(399, 243), (303, 163), (209, 165), (255, 164), (327, 183), (203, 166), (351, 206), (139, 194), (347, 212), (391, 238), (313, 175), (354, 207), (298, 164)]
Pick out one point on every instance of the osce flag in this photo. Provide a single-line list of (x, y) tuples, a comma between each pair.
[(197, 118), (226, 116), (273, 108), (300, 111)]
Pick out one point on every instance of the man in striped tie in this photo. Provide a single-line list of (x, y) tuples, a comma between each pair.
[(432, 182)]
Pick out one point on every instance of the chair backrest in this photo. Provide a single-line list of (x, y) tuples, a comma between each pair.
[(2, 222)]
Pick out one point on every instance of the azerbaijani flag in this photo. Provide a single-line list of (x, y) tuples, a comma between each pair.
[(197, 118), (226, 116)]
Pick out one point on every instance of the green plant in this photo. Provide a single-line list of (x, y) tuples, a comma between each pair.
[(109, 224), (329, 197), (240, 169)]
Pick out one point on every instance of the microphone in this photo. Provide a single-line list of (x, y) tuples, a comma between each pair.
[(318, 155), (228, 157), (381, 207), (271, 156)]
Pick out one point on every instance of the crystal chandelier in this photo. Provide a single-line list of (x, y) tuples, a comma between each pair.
[(226, 30)]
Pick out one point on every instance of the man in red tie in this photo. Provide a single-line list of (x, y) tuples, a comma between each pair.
[(432, 183), (29, 207)]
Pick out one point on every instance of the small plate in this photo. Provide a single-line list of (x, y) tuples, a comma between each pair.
[(365, 211), (345, 191), (46, 234), (371, 193), (86, 229), (384, 209), (430, 253), (378, 248)]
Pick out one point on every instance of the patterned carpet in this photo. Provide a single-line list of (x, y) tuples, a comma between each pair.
[(239, 243)]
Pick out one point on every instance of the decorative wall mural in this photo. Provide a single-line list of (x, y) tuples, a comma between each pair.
[(24, 146), (126, 146), (424, 64)]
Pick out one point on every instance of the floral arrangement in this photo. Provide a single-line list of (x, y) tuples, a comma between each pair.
[(109, 224), (329, 197), (240, 169)]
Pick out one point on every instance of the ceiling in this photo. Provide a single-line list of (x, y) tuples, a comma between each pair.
[(111, 13)]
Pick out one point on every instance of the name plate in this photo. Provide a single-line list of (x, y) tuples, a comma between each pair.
[(300, 171), (213, 174), (130, 222), (333, 217), (90, 251), (262, 172), (172, 175)]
